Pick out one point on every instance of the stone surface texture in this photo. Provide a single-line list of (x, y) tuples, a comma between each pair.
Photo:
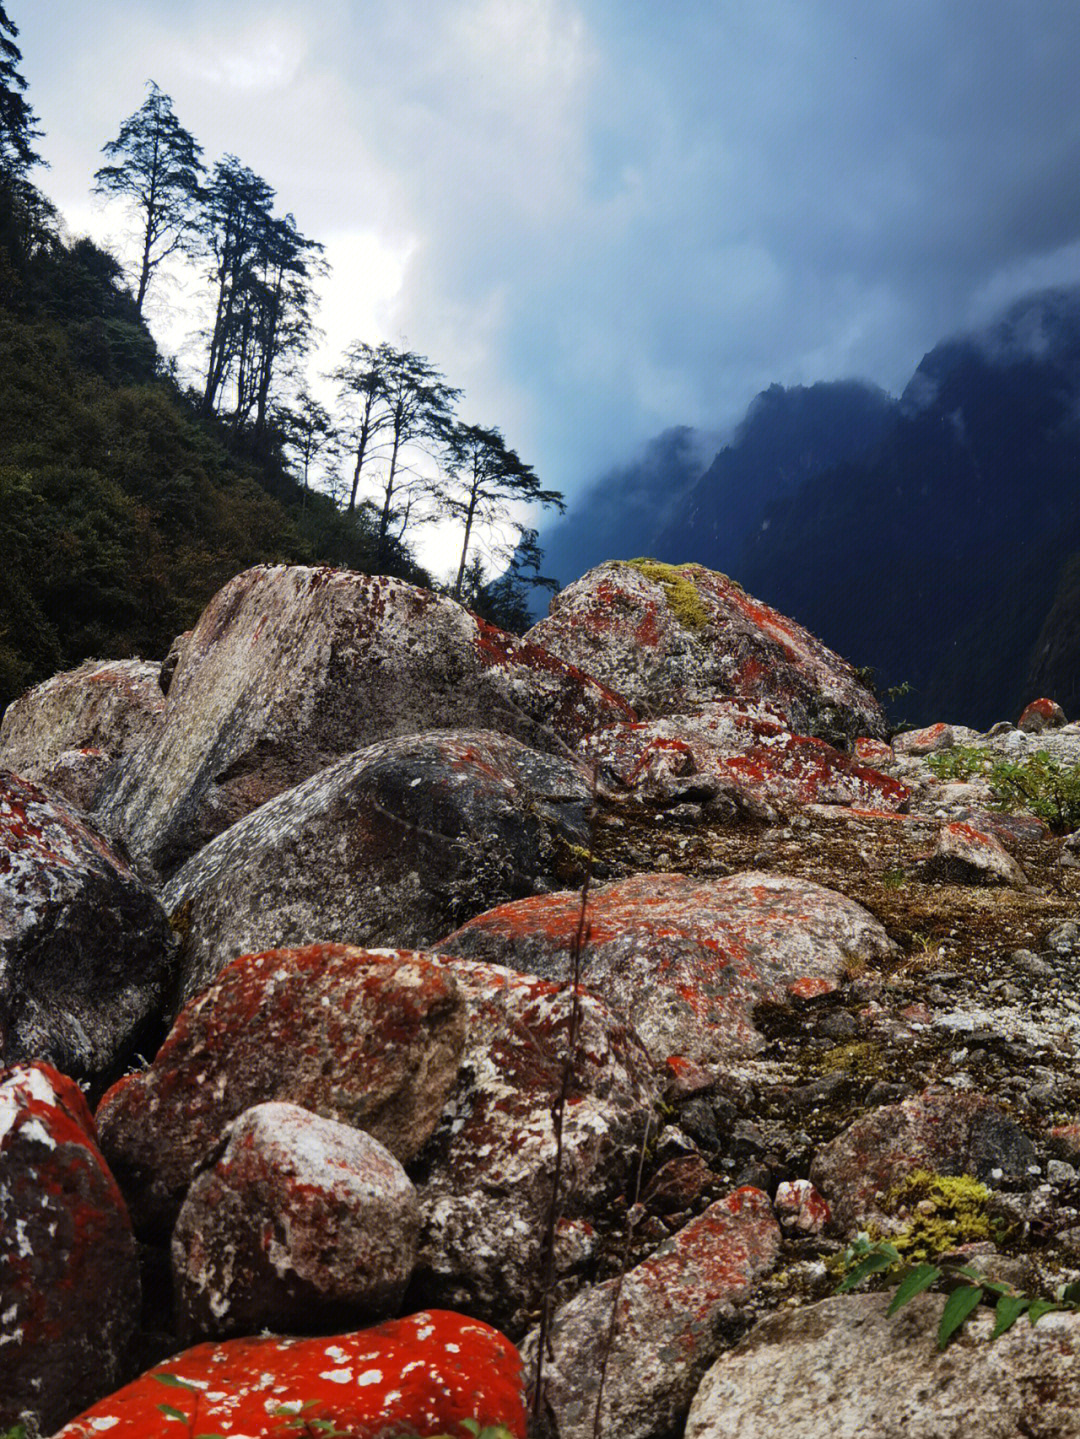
[(107, 707), (1040, 715), (372, 1040), (302, 1224), (289, 668), (666, 1328), (843, 1370), (392, 845), (422, 1375), (490, 1164), (69, 1277), (673, 637), (684, 961), (966, 854), (86, 953)]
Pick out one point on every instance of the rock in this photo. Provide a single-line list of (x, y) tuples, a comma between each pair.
[(290, 668), (373, 1040), (102, 710), (685, 961), (966, 855), (1040, 715), (302, 1225), (939, 1130), (390, 846), (672, 637), (668, 1322), (489, 1168), (930, 740), (169, 664), (874, 752), (800, 1207), (86, 954), (427, 1374), (69, 1277), (842, 1369), (737, 749)]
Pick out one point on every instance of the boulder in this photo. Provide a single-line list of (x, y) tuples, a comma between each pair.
[(69, 1275), (1041, 715), (650, 1336), (302, 1225), (290, 668), (372, 1040), (800, 1208), (685, 961), (86, 953), (100, 711), (736, 750), (429, 1374), (673, 637), (843, 1369), (965, 854), (940, 1130), (390, 846), (486, 1178), (929, 740)]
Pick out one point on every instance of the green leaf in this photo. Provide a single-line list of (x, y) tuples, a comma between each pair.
[(1008, 1311), (958, 1306), (174, 1382), (920, 1279), (1039, 1307), (171, 1413), (1071, 1293), (883, 1256), (471, 1425)]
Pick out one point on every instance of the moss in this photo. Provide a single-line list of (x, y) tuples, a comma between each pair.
[(682, 596), (859, 1058), (945, 1210)]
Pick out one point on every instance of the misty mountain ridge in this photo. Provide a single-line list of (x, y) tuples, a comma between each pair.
[(929, 538)]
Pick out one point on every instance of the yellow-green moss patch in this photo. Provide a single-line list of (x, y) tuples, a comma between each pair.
[(942, 1211), (682, 595)]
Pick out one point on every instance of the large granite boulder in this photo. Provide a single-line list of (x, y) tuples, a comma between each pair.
[(392, 845), (431, 1373), (86, 953), (67, 732), (487, 1176), (368, 1039), (289, 668), (69, 1275), (672, 637), (685, 961)]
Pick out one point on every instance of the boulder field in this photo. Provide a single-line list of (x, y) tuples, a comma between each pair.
[(414, 1030)]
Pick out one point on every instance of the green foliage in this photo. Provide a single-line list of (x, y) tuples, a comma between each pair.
[(968, 1289), (17, 1431), (1039, 784), (682, 596), (961, 763)]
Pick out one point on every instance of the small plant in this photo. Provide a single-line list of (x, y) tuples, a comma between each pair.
[(1041, 785), (969, 1289), (963, 762), (894, 879), (946, 1210), (17, 1431)]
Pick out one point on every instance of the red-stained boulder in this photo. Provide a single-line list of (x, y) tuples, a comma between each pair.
[(685, 961), (672, 637), (966, 854), (1041, 715), (391, 846), (69, 1277), (489, 1168), (666, 1327), (86, 953), (940, 1130), (737, 750), (422, 1375), (369, 1039), (800, 1207), (874, 752), (66, 732), (302, 1225), (929, 740), (291, 668)]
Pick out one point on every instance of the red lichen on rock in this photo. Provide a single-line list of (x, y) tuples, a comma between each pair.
[(422, 1375), (1040, 715)]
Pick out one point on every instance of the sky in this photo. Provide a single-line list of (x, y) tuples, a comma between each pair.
[(601, 218)]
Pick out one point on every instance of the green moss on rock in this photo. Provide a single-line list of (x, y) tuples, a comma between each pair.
[(946, 1210), (679, 589)]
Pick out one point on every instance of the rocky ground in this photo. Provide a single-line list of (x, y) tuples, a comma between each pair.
[(828, 987)]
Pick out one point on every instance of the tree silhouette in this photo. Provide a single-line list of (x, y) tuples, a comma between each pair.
[(18, 123)]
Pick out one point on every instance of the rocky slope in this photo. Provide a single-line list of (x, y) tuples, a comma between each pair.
[(822, 989)]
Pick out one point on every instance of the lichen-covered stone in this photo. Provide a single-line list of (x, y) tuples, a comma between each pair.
[(685, 961), (490, 1164), (427, 1374), (301, 1225), (391, 846), (634, 625), (69, 1277), (1041, 715), (966, 854), (843, 1369), (929, 740), (940, 1131), (368, 1039), (86, 953), (105, 707), (735, 748), (290, 668), (665, 1330)]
